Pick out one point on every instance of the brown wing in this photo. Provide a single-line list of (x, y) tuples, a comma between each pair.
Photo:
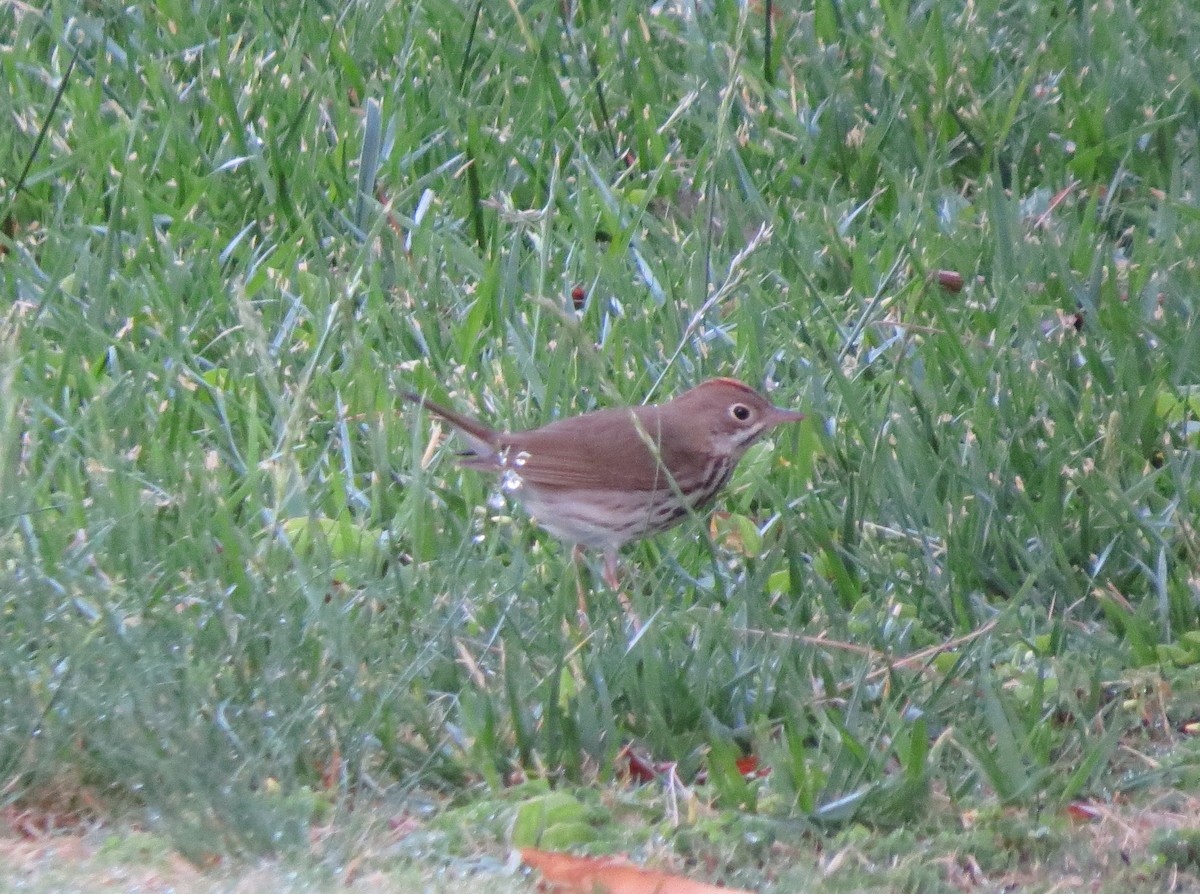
[(607, 449)]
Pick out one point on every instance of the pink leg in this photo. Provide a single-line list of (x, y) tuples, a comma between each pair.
[(610, 569), (577, 560), (613, 579)]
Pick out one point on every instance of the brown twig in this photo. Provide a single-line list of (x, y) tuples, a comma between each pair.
[(916, 658)]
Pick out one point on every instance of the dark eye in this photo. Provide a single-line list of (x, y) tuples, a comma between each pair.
[(740, 412)]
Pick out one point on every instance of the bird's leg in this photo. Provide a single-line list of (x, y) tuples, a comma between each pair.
[(613, 579), (577, 561), (610, 570)]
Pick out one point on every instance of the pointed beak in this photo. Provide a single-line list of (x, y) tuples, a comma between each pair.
[(778, 416)]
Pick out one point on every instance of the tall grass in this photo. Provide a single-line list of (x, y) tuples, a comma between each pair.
[(236, 568)]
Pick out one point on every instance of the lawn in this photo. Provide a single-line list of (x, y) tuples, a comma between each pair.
[(254, 619)]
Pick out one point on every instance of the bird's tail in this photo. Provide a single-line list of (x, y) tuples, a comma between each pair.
[(482, 439)]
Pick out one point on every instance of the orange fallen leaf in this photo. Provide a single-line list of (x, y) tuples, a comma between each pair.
[(569, 874), (749, 767), (1082, 812)]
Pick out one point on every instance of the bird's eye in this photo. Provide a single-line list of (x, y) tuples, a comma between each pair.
[(740, 412)]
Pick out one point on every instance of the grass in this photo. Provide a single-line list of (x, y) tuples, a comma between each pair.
[(246, 594)]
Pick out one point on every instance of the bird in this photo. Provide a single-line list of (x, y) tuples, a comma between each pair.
[(604, 478)]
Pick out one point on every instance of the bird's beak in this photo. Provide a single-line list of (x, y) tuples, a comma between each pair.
[(778, 416)]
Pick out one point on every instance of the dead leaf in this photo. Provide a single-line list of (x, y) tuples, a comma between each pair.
[(949, 280), (749, 767), (568, 874), (1082, 812)]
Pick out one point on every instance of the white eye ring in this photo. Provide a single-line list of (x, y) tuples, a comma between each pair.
[(740, 412)]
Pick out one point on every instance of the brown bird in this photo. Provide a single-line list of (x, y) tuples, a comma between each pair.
[(610, 476)]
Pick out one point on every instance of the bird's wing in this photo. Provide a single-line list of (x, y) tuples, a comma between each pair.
[(604, 450)]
